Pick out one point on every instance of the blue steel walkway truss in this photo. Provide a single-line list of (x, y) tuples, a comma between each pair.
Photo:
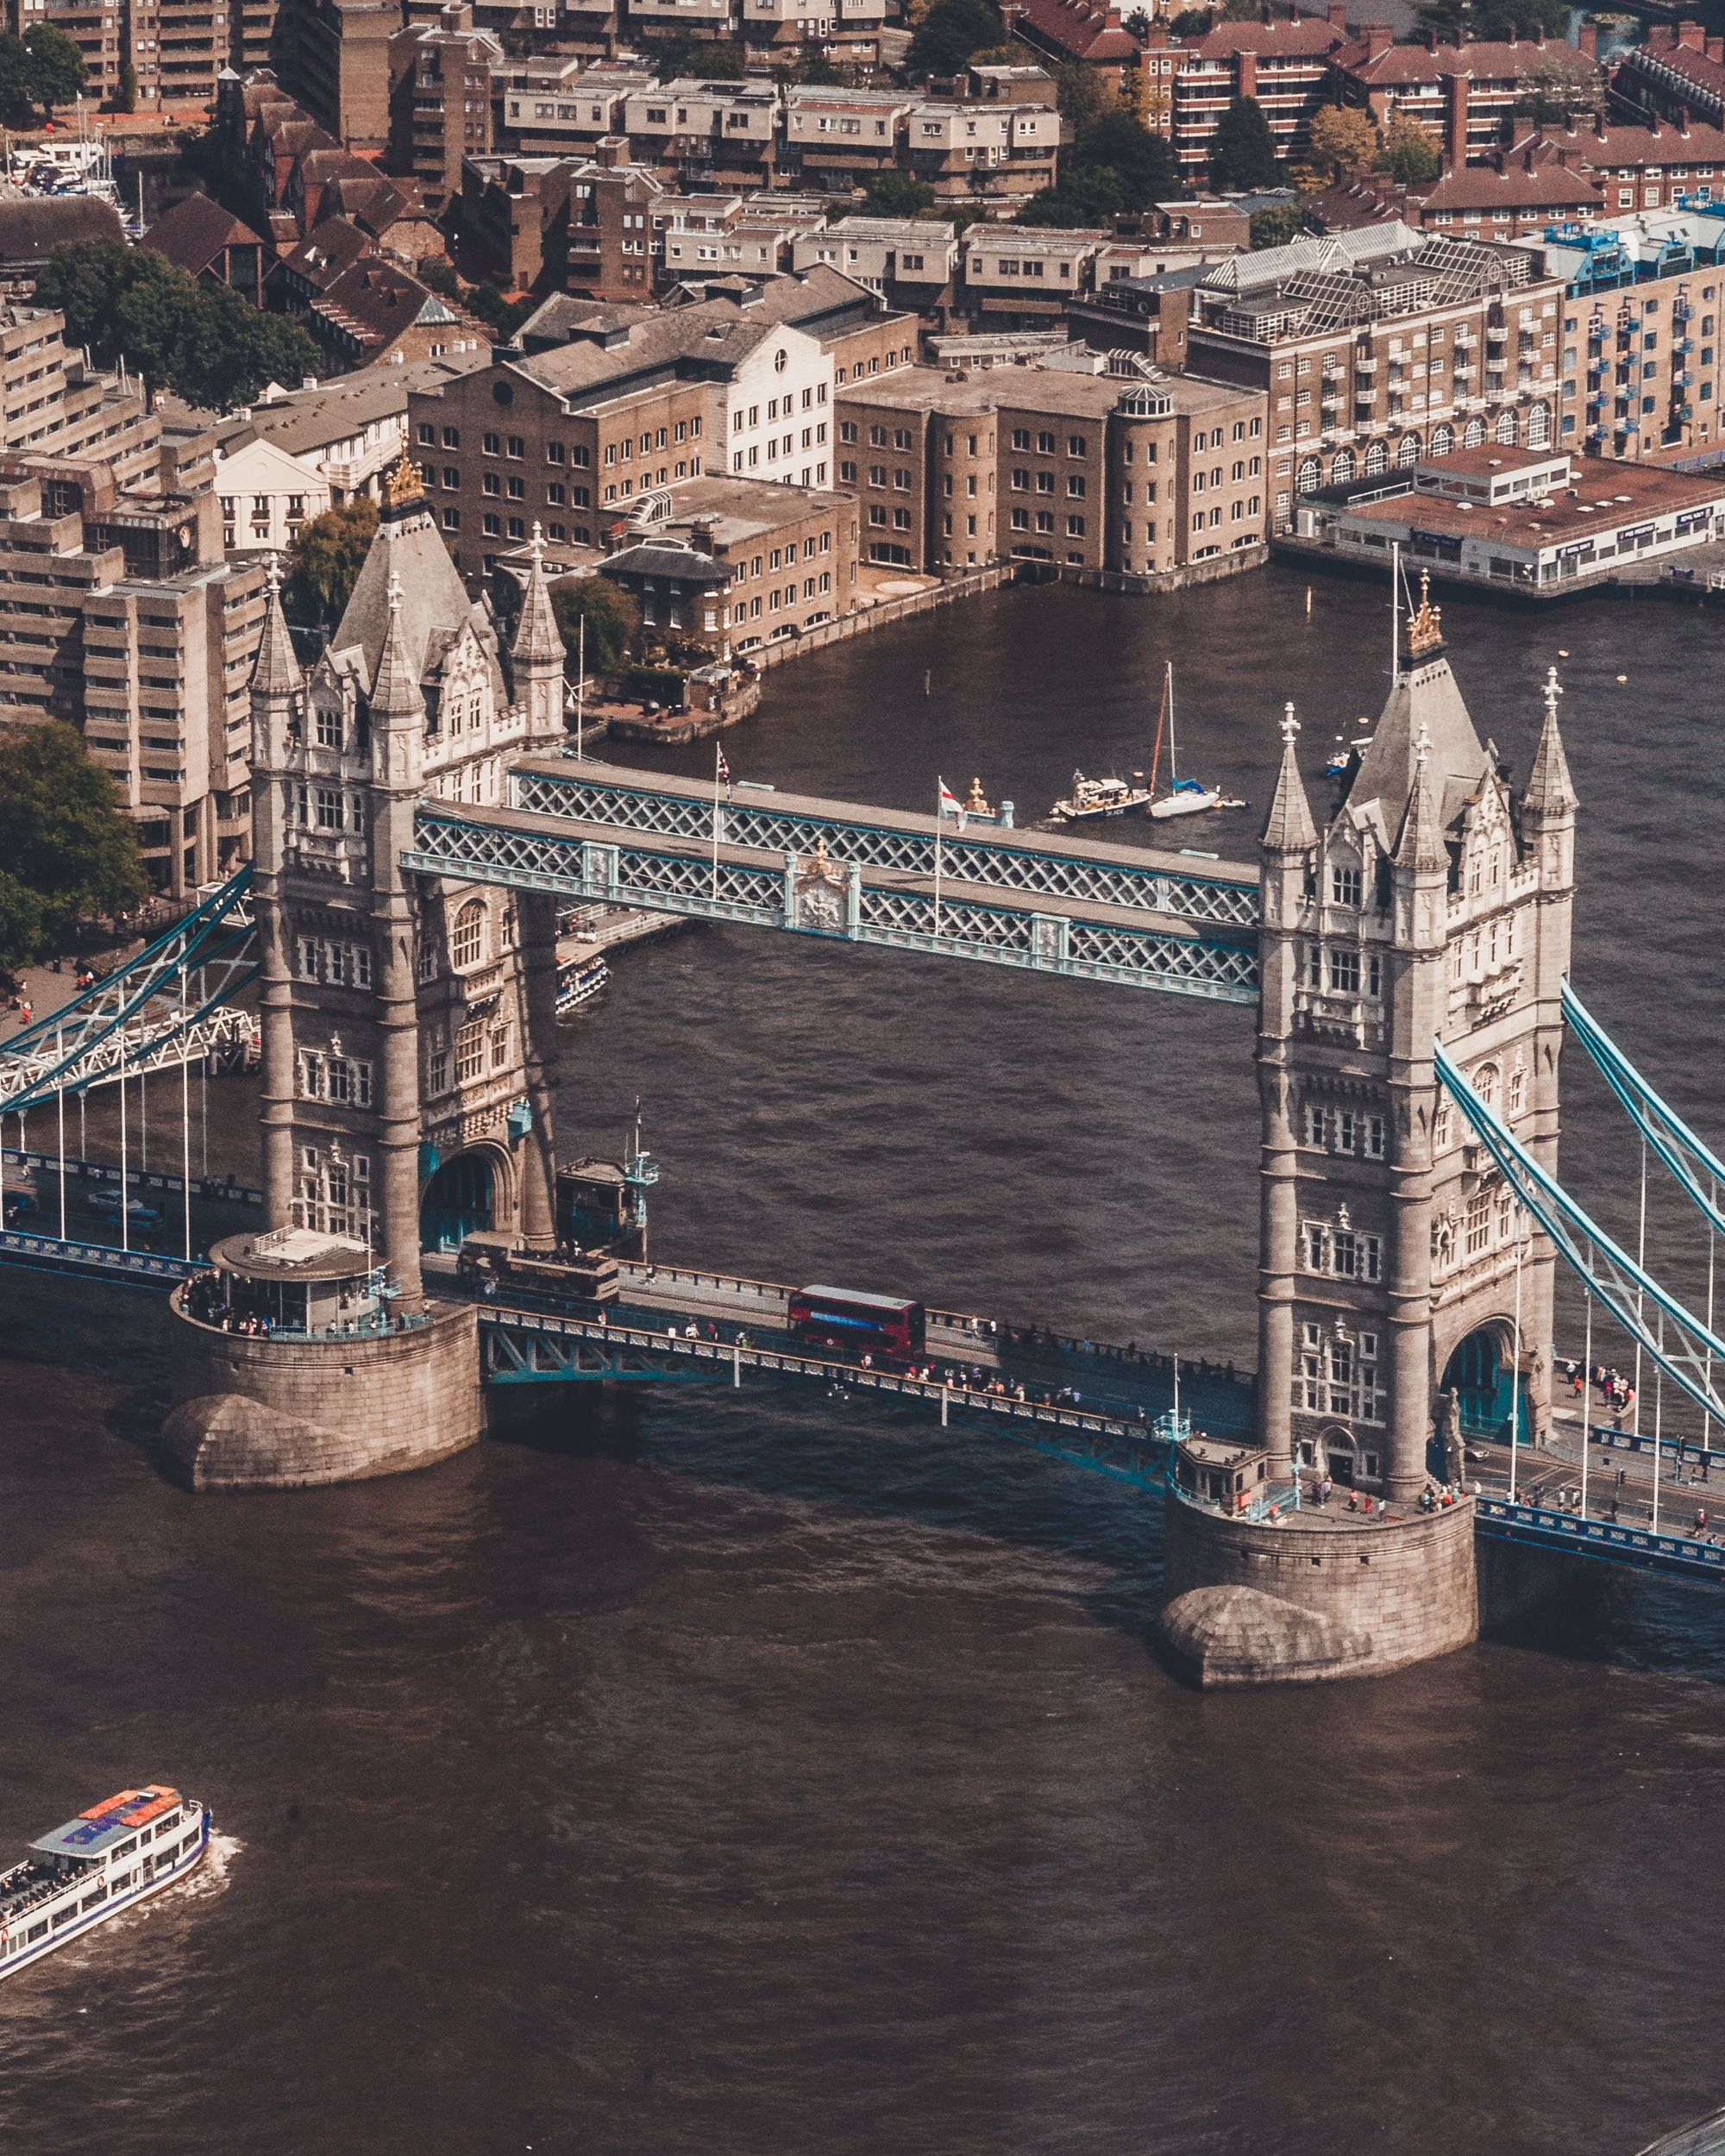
[(1105, 913), (1699, 1172), (174, 1000), (1683, 1347)]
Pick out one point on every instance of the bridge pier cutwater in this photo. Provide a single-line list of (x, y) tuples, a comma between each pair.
[(414, 827)]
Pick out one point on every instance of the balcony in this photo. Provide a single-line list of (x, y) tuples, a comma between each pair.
[(1496, 332)]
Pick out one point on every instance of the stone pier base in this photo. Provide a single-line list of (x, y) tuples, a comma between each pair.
[(1316, 1596), (252, 1414)]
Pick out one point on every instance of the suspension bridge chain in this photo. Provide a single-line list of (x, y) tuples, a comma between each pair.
[(1608, 1274), (174, 1001), (1699, 1172)]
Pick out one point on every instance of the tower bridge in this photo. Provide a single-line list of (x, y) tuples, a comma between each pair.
[(416, 820)]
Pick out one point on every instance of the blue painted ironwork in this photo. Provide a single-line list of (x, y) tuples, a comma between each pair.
[(172, 1000), (1535, 1526), (1059, 937), (1608, 1274), (530, 1347), (1226, 896), (1699, 1171), (128, 1268)]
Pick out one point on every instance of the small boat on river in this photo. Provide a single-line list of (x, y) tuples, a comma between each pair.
[(1184, 797), (119, 1852), (1091, 800)]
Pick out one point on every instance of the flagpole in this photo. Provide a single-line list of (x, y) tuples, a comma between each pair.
[(939, 820), (581, 687), (717, 767)]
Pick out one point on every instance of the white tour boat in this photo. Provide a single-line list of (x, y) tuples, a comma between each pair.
[(1184, 797), (118, 1853), (1092, 799)]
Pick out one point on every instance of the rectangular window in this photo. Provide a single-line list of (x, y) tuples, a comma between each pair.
[(470, 1052), (1345, 972)]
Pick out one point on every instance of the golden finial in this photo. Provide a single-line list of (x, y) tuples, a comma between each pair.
[(404, 483), (1424, 632)]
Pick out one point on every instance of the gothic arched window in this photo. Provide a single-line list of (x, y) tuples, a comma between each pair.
[(468, 936)]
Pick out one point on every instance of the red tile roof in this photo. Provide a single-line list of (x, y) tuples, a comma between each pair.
[(1310, 34), (1485, 62)]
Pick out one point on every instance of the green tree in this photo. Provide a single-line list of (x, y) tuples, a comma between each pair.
[(1244, 154), (949, 34), (1080, 94), (1410, 153), (502, 316), (1504, 19), (210, 347), (711, 59), (438, 277), (1281, 225), (1116, 164), (128, 100), (16, 79), (21, 924), (63, 835), (56, 68), (328, 556), (897, 194), (1344, 140), (612, 617)]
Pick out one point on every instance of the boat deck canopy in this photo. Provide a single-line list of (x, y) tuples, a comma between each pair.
[(93, 1833)]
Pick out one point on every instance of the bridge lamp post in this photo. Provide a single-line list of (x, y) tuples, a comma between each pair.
[(60, 1112), (1516, 1365)]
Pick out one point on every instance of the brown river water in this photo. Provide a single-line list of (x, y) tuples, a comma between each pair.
[(692, 1774)]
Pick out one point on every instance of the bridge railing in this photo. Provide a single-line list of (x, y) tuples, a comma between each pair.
[(1544, 1527)]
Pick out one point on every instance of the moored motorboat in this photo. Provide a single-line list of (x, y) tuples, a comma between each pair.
[(1091, 800)]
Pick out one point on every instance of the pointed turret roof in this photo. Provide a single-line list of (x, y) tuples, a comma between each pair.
[(1290, 828), (538, 641), (1550, 789), (1424, 703), (277, 671), (395, 691), (435, 606), (1421, 847)]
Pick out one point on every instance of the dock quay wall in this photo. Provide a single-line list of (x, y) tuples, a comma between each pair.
[(278, 1414)]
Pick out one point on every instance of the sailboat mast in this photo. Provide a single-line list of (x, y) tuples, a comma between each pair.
[(1161, 722), (1394, 611), (1173, 756)]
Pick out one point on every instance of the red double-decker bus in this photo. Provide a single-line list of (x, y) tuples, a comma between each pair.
[(858, 1323)]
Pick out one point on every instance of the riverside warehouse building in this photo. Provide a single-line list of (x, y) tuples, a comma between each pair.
[(1538, 520)]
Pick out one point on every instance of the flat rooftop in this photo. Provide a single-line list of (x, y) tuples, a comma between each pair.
[(1629, 494)]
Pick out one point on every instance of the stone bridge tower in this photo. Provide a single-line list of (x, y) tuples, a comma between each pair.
[(1434, 906), (407, 1024)]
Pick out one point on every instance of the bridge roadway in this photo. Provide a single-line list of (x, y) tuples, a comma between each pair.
[(1135, 917)]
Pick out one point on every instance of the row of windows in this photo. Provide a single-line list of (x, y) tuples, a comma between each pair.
[(345, 1078), (1338, 1374), (774, 404), (325, 958), (1345, 969), (1342, 1253), (1342, 1130)]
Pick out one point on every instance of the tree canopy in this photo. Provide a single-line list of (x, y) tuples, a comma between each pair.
[(897, 194), (1114, 165), (1281, 225), (1410, 153), (1243, 153), (212, 347), (502, 316), (1344, 140), (44, 67), (1497, 20), (70, 851), (949, 34), (611, 615), (328, 556)]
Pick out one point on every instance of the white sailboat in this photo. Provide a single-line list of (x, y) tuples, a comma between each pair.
[(1184, 797)]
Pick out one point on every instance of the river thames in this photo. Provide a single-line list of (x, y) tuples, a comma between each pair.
[(685, 1773)]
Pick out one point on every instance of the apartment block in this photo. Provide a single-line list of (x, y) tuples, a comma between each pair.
[(1023, 277), (910, 262), (1284, 65), (1146, 477), (552, 106), (440, 99), (333, 58), (1464, 96), (732, 235), (1374, 347), (1641, 356), (1674, 73)]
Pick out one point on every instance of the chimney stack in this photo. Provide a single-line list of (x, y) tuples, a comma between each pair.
[(1692, 35), (1587, 40), (1379, 37)]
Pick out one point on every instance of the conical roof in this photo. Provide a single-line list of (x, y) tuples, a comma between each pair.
[(1550, 787), (1425, 703), (395, 688), (1421, 847), (434, 605), (1290, 828), (276, 671), (538, 641)]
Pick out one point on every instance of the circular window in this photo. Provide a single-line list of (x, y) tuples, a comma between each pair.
[(503, 393), (780, 359)]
